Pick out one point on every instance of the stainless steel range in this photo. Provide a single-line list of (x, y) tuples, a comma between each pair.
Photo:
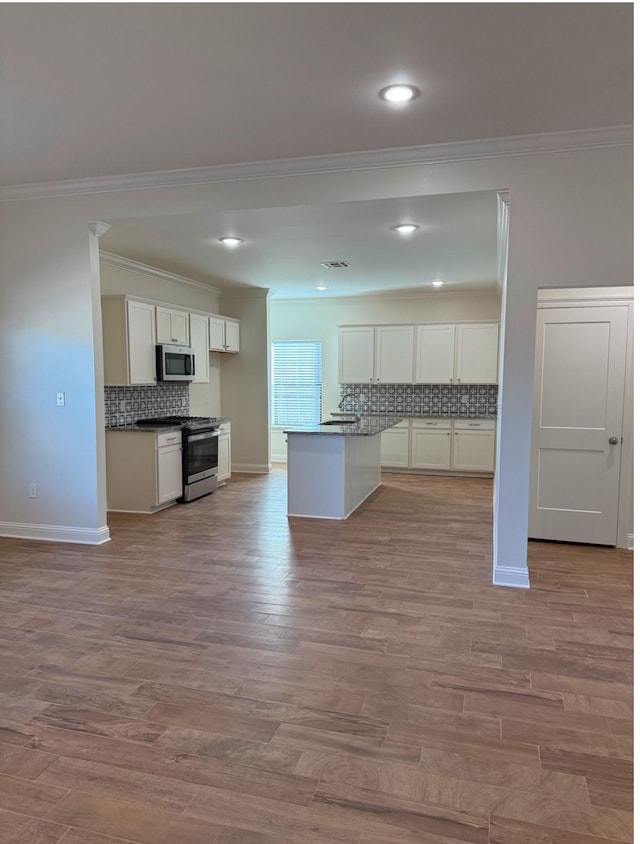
[(199, 452)]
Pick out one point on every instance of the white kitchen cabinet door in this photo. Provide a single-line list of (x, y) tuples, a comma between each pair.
[(430, 448), (477, 353), (474, 451), (216, 334), (199, 332), (435, 354), (141, 352), (231, 335), (394, 354), (172, 326), (395, 446), (224, 334), (224, 456), (356, 354), (169, 473)]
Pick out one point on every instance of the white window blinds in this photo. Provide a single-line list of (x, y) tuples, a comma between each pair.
[(296, 383)]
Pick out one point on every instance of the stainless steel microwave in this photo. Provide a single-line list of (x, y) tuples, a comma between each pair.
[(175, 363)]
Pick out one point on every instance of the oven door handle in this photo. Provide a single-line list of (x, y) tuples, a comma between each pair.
[(206, 436)]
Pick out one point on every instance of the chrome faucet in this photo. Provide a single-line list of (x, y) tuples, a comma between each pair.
[(357, 402)]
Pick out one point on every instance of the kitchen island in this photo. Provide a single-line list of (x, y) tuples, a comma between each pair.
[(333, 467)]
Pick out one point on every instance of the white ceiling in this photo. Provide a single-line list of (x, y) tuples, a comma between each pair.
[(284, 248), (104, 89), (94, 89)]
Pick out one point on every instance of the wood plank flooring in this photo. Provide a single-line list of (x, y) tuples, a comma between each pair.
[(217, 674)]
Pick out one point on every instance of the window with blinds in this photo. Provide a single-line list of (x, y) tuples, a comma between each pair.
[(296, 383)]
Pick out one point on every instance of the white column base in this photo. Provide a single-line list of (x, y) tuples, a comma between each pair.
[(511, 576)]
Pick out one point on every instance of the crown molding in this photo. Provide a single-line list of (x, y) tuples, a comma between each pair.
[(488, 148), (155, 272), (585, 296)]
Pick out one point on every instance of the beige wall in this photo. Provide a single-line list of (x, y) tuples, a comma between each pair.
[(245, 382), (318, 319)]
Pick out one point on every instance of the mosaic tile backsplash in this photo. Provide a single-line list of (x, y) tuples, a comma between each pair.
[(430, 399), (125, 405)]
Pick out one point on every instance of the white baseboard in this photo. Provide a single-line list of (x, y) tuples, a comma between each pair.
[(55, 533), (511, 576), (252, 468)]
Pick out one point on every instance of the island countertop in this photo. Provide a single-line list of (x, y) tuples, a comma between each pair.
[(367, 426)]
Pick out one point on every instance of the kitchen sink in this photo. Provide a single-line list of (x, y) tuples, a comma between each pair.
[(340, 422)]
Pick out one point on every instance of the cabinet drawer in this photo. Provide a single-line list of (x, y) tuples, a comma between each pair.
[(403, 424), (442, 424), (474, 425), (170, 438)]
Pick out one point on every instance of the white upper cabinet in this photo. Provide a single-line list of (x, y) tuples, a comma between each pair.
[(142, 359), (172, 326), (457, 353), (128, 329), (435, 354), (376, 354), (477, 353), (199, 331), (394, 346), (356, 354), (232, 335), (224, 334), (464, 353)]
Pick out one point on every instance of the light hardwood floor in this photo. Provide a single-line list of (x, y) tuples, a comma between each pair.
[(218, 675)]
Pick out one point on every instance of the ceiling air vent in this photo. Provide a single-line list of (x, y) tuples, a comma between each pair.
[(335, 265)]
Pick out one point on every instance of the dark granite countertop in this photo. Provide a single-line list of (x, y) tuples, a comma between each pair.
[(402, 415), (366, 427), (157, 429)]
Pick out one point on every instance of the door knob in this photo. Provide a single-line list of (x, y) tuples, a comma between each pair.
[(613, 441)]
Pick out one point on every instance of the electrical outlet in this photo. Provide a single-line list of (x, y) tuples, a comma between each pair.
[(33, 490), (60, 399)]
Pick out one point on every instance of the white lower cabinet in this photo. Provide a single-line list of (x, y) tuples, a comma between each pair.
[(430, 444), (144, 470), (224, 452), (474, 446), (440, 445), (169, 472), (394, 445)]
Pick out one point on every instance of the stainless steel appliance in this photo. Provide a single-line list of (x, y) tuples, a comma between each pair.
[(175, 363), (199, 452)]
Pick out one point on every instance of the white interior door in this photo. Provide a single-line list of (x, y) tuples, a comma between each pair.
[(577, 425)]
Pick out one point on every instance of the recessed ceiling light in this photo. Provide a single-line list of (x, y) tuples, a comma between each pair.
[(321, 287), (231, 241), (437, 283), (399, 93), (406, 228)]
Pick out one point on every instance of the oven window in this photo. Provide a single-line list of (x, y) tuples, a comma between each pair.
[(202, 455)]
